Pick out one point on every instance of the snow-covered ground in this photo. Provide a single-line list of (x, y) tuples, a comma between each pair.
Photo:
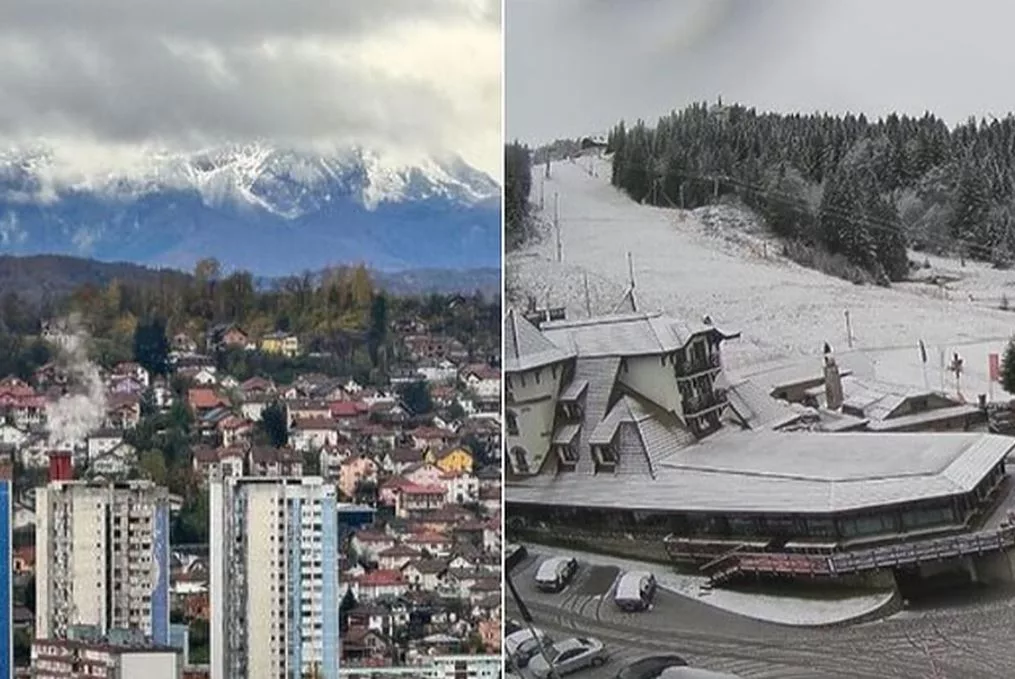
[(714, 261), (783, 610)]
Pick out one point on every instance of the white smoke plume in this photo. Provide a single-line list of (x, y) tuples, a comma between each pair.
[(83, 408)]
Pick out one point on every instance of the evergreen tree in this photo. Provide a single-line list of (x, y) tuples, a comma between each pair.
[(274, 426), (517, 186), (151, 347), (1008, 367)]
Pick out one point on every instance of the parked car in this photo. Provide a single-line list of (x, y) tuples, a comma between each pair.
[(521, 646), (650, 667), (511, 626), (514, 555), (556, 573), (635, 591), (695, 673), (569, 656)]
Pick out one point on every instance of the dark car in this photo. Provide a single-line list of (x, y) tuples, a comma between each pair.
[(650, 667), (514, 555)]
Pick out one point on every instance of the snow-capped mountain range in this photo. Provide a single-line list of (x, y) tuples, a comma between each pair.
[(273, 211)]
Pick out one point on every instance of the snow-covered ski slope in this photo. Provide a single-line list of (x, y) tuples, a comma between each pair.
[(715, 261)]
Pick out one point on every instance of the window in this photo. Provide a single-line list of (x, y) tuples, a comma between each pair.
[(511, 419), (521, 458)]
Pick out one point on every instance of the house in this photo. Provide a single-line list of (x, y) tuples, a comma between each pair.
[(201, 400), (425, 474), (396, 557), (266, 461), (183, 343), (280, 343), (12, 435), (343, 411), (254, 404), (116, 462), (257, 386), (397, 460), (235, 431), (365, 647), (227, 461), (204, 376), (414, 500), (380, 583), (331, 458), (484, 380), (20, 405), (227, 337), (425, 438), (433, 544), (441, 370), (368, 544), (461, 487), (102, 441), (425, 574), (134, 371), (454, 460), (359, 469), (125, 384), (123, 411), (313, 434), (307, 409)]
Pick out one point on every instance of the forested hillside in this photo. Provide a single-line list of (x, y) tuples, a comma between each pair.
[(858, 188), (517, 187)]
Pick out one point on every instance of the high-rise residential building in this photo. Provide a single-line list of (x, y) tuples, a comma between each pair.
[(273, 578), (102, 557), (6, 577)]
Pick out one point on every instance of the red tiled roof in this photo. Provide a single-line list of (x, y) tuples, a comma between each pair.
[(348, 408), (419, 489), (205, 398), (431, 433), (314, 423), (233, 422), (380, 578)]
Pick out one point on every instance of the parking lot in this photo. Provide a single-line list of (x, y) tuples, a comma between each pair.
[(967, 637)]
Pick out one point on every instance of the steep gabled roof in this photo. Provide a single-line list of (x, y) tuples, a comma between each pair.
[(526, 347), (630, 334)]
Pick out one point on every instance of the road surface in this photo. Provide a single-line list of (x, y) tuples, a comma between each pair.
[(970, 637)]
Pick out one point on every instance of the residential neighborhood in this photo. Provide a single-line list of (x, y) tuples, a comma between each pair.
[(415, 460)]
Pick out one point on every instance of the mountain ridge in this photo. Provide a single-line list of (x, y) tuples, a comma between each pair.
[(38, 276), (266, 209)]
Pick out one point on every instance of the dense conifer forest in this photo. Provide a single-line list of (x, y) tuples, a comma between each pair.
[(861, 189)]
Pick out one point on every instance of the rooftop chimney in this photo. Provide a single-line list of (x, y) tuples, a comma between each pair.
[(60, 466), (833, 383)]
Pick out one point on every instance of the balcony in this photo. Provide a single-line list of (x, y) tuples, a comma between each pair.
[(697, 366), (698, 406)]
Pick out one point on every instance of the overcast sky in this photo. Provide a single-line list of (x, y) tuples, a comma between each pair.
[(410, 74), (576, 67)]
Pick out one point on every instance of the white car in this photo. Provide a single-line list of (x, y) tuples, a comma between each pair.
[(522, 645), (555, 573), (569, 656)]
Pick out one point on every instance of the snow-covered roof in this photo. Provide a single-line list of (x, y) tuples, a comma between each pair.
[(795, 473), (526, 347), (633, 334)]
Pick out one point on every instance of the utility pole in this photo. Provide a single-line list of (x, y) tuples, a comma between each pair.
[(849, 330), (556, 224), (630, 269), (588, 297)]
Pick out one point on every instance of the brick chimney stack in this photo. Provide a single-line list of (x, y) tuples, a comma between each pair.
[(61, 468)]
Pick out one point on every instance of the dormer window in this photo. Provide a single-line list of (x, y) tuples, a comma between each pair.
[(511, 422), (606, 454), (568, 456), (521, 460)]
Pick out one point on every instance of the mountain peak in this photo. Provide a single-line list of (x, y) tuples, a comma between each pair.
[(242, 203)]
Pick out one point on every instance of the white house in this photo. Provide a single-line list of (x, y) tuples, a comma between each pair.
[(101, 442), (313, 434), (482, 379)]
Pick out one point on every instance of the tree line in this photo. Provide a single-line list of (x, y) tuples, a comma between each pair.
[(517, 187), (865, 190), (343, 320)]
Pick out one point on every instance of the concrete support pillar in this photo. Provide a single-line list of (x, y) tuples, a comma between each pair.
[(995, 567), (969, 565)]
